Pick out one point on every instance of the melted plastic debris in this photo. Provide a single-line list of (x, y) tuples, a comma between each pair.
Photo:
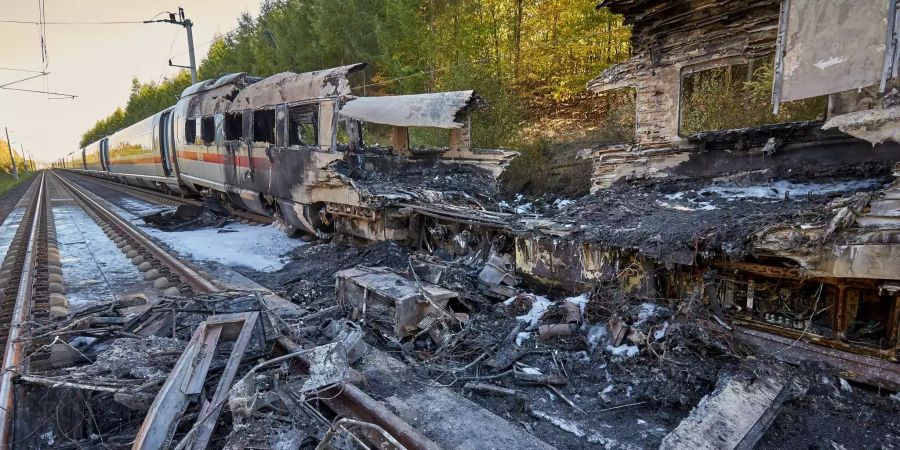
[(539, 306), (625, 350)]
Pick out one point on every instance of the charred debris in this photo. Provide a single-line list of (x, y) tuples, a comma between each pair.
[(717, 288)]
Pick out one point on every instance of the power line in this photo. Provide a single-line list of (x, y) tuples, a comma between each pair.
[(33, 22), (171, 47), (221, 36), (40, 74), (64, 96), (20, 70), (180, 20)]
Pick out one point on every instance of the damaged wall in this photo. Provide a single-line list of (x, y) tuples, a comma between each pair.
[(674, 38), (669, 36)]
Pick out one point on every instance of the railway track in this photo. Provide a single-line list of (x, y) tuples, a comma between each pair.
[(137, 246), (172, 200), (18, 283), (32, 290), (33, 300)]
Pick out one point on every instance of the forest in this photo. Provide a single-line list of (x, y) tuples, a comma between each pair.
[(530, 59), (5, 166)]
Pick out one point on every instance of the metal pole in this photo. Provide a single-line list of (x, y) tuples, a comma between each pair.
[(12, 159), (188, 25), (29, 157), (190, 36)]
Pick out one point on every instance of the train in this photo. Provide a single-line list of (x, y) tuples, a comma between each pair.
[(301, 148)]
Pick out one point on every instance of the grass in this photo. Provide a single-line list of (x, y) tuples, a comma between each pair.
[(8, 181)]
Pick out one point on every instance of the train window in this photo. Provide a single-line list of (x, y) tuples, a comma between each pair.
[(208, 130), (233, 126), (190, 131), (302, 125), (342, 136), (264, 126)]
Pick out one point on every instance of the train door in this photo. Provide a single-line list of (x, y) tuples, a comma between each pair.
[(164, 142), (243, 158), (327, 125), (104, 154)]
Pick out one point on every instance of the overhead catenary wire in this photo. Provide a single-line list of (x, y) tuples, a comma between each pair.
[(13, 69), (171, 47), (45, 60), (36, 22)]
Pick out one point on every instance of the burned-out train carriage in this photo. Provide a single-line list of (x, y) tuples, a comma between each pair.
[(291, 146)]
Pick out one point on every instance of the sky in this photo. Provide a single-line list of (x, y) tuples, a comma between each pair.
[(94, 62)]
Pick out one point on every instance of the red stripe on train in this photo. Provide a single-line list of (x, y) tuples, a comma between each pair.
[(147, 160), (218, 158)]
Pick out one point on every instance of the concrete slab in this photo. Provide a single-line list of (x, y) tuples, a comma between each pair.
[(446, 417), (734, 416)]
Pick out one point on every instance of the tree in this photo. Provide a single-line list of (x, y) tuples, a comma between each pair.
[(523, 56)]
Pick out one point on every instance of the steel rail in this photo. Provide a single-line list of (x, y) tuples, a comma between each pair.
[(12, 354), (136, 190), (185, 273)]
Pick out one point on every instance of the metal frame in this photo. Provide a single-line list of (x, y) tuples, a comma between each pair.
[(890, 49), (778, 78)]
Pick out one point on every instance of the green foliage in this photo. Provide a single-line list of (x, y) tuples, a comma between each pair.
[(8, 181), (724, 98), (5, 166), (547, 168), (510, 51)]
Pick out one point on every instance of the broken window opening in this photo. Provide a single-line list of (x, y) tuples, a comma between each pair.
[(342, 137), (190, 131), (738, 96), (302, 125), (866, 314), (609, 117), (264, 126), (420, 137), (208, 130), (233, 125), (376, 134)]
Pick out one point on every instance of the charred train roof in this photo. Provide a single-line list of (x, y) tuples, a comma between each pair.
[(438, 110), (239, 91), (289, 87)]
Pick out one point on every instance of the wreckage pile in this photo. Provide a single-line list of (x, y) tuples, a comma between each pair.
[(424, 179), (607, 368), (600, 352), (613, 367), (181, 373), (552, 366), (675, 220)]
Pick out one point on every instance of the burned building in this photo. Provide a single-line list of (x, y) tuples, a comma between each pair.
[(738, 102)]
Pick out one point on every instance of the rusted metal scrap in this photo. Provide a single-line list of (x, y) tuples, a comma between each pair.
[(391, 302), (570, 324)]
